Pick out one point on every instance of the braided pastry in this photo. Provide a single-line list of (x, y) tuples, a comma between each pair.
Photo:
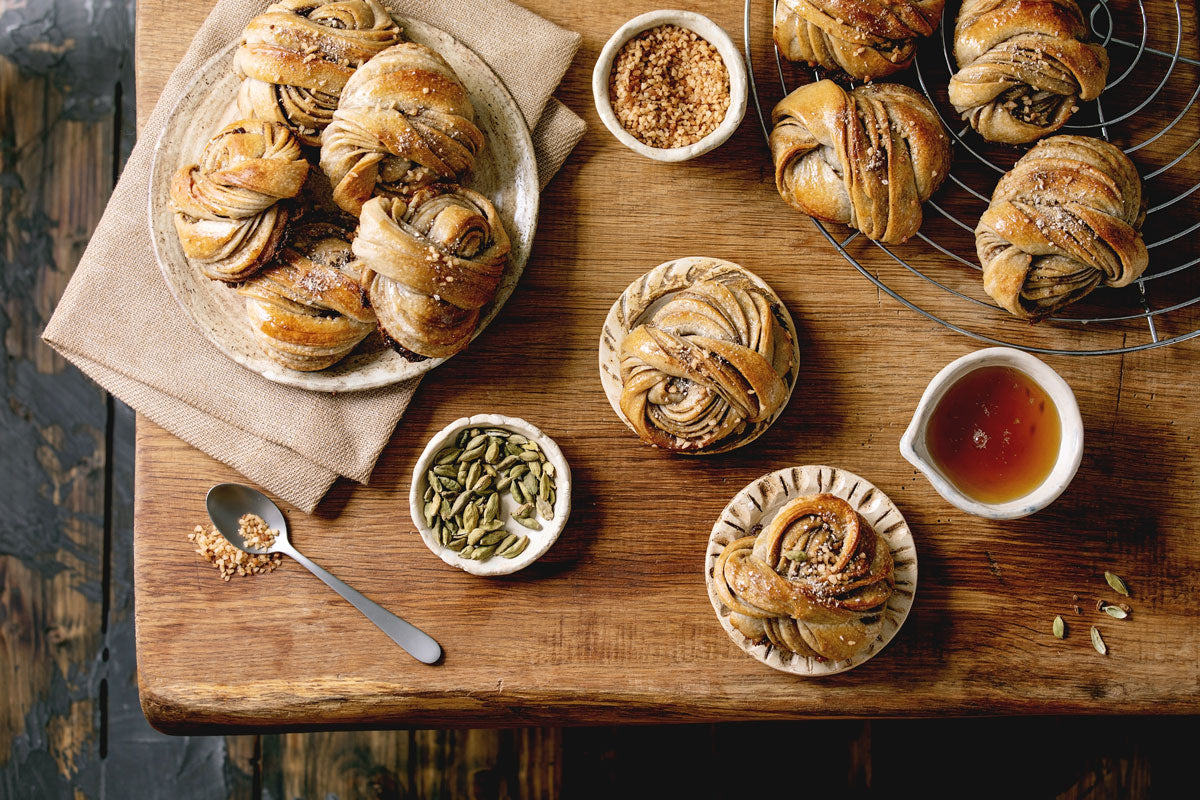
[(404, 121), (429, 264), (867, 158), (1023, 67), (227, 211), (306, 307), (815, 581), (703, 367), (866, 39), (1063, 220), (297, 56)]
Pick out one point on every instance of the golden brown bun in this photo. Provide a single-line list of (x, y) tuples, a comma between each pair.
[(815, 581), (404, 121), (1023, 67), (1062, 221), (429, 264), (297, 56), (702, 367), (867, 158), (306, 307), (866, 39), (226, 207)]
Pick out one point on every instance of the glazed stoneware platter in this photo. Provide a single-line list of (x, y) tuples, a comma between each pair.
[(505, 171), (755, 506)]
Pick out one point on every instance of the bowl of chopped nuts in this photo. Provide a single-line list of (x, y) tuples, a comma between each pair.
[(490, 494), (670, 85)]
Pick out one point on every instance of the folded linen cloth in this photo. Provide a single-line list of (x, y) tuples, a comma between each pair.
[(118, 322)]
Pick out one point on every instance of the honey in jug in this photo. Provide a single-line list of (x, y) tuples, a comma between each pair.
[(995, 434)]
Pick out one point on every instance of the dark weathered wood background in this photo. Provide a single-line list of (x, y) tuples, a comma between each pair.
[(70, 724)]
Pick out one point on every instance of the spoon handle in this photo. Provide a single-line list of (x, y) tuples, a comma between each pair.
[(412, 640)]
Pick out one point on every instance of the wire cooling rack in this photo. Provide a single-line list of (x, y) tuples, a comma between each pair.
[(1148, 108)]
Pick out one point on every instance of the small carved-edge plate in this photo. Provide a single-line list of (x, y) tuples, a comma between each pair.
[(505, 171), (757, 504), (644, 296)]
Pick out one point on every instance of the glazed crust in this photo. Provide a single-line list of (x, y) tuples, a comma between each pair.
[(1064, 220), (866, 39), (227, 211), (1023, 67), (429, 264), (298, 55), (404, 122), (867, 158), (815, 581), (702, 367)]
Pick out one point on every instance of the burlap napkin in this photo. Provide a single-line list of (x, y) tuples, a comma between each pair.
[(119, 324)]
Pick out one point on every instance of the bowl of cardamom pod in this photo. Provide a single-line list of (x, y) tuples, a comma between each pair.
[(490, 494)]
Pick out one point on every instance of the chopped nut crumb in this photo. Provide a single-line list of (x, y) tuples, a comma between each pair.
[(669, 87), (228, 559)]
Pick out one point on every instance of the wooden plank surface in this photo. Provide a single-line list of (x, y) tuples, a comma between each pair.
[(613, 624)]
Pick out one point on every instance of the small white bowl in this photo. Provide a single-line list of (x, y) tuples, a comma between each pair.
[(539, 541), (705, 28), (913, 446)]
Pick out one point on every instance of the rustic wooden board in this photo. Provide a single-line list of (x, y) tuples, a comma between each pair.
[(613, 624)]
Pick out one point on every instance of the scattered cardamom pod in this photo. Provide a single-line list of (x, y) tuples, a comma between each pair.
[(1118, 585), (796, 555), (1098, 642), (1116, 612), (1059, 629)]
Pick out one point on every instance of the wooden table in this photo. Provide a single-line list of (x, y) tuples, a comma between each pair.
[(613, 624)]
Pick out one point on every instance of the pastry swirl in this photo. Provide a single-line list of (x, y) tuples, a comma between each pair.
[(404, 122), (306, 307), (1065, 219), (1023, 67), (702, 367), (227, 211), (815, 581), (866, 39), (867, 158), (429, 264), (297, 56)]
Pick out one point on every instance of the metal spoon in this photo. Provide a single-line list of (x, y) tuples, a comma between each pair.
[(227, 502)]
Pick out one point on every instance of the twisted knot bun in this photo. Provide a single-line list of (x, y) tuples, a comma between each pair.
[(429, 264), (703, 367), (1023, 67), (815, 581), (867, 158), (404, 122), (226, 207), (1062, 221), (297, 56), (866, 39), (306, 307)]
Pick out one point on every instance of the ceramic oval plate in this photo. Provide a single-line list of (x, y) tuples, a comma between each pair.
[(506, 172), (757, 504), (642, 298)]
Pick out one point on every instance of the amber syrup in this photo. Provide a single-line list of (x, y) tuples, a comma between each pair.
[(995, 434)]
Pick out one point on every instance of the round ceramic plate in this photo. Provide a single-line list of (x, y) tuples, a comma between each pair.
[(506, 172), (756, 505), (642, 298)]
